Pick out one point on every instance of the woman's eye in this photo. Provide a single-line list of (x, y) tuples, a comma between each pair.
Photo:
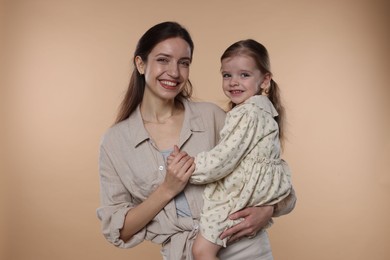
[(185, 63), (163, 60)]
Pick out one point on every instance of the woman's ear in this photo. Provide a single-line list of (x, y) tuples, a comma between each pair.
[(140, 65)]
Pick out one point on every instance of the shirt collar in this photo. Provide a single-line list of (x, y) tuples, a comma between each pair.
[(193, 122), (138, 133), (192, 117)]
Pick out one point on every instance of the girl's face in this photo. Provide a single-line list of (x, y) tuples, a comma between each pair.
[(241, 78), (166, 69)]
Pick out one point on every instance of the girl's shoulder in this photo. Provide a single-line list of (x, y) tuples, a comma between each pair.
[(259, 102)]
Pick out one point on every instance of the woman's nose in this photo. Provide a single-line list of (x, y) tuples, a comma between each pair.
[(173, 70)]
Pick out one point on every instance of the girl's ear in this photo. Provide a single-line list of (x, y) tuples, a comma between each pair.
[(266, 80), (265, 85), (140, 65)]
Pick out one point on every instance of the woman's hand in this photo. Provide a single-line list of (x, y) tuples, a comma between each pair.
[(254, 219), (180, 166)]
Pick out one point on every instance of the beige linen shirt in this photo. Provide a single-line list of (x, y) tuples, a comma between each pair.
[(131, 168)]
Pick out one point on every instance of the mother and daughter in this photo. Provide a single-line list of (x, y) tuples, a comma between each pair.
[(202, 183)]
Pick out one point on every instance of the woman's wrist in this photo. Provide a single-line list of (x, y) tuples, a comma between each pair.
[(164, 192)]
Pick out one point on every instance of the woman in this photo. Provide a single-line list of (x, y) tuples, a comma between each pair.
[(141, 198)]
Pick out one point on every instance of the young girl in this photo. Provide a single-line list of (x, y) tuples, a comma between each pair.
[(245, 168)]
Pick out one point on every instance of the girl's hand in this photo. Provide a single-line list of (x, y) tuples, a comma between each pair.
[(179, 169), (255, 218)]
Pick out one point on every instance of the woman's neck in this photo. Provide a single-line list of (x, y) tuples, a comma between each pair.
[(158, 111), (163, 121)]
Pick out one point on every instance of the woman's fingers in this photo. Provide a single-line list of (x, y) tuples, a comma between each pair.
[(185, 164), (180, 166), (176, 149), (178, 174), (189, 167), (253, 220)]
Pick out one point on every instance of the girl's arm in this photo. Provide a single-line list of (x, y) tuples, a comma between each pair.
[(243, 130)]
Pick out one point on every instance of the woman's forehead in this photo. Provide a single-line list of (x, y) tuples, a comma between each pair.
[(175, 47)]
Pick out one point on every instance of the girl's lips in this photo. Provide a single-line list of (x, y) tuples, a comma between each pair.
[(236, 92)]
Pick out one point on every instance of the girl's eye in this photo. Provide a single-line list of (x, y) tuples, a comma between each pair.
[(225, 75), (244, 75)]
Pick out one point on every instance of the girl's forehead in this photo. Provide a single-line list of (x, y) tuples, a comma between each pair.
[(239, 60)]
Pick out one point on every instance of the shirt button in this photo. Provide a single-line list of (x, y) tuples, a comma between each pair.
[(161, 168)]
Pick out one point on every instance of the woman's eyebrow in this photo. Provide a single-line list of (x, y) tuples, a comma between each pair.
[(170, 56)]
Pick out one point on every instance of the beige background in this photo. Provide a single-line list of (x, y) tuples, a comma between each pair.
[(66, 65)]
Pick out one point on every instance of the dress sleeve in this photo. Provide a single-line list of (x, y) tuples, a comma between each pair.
[(116, 201), (244, 128)]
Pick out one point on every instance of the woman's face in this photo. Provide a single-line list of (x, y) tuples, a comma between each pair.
[(167, 68), (241, 78)]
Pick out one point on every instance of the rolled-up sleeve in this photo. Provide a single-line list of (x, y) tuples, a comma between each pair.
[(285, 206), (115, 202)]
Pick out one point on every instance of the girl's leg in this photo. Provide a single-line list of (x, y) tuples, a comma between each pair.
[(204, 249)]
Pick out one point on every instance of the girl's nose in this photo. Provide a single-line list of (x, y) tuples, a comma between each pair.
[(234, 83)]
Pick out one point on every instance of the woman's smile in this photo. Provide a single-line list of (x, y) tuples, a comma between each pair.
[(168, 84)]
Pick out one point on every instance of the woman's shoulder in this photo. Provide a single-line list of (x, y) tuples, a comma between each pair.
[(116, 132), (206, 107), (208, 113)]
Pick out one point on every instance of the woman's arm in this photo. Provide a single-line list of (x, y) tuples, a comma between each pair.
[(285, 206), (178, 173), (121, 218), (256, 218)]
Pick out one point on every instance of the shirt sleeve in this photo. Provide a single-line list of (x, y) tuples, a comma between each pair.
[(244, 128), (116, 201), (285, 206)]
